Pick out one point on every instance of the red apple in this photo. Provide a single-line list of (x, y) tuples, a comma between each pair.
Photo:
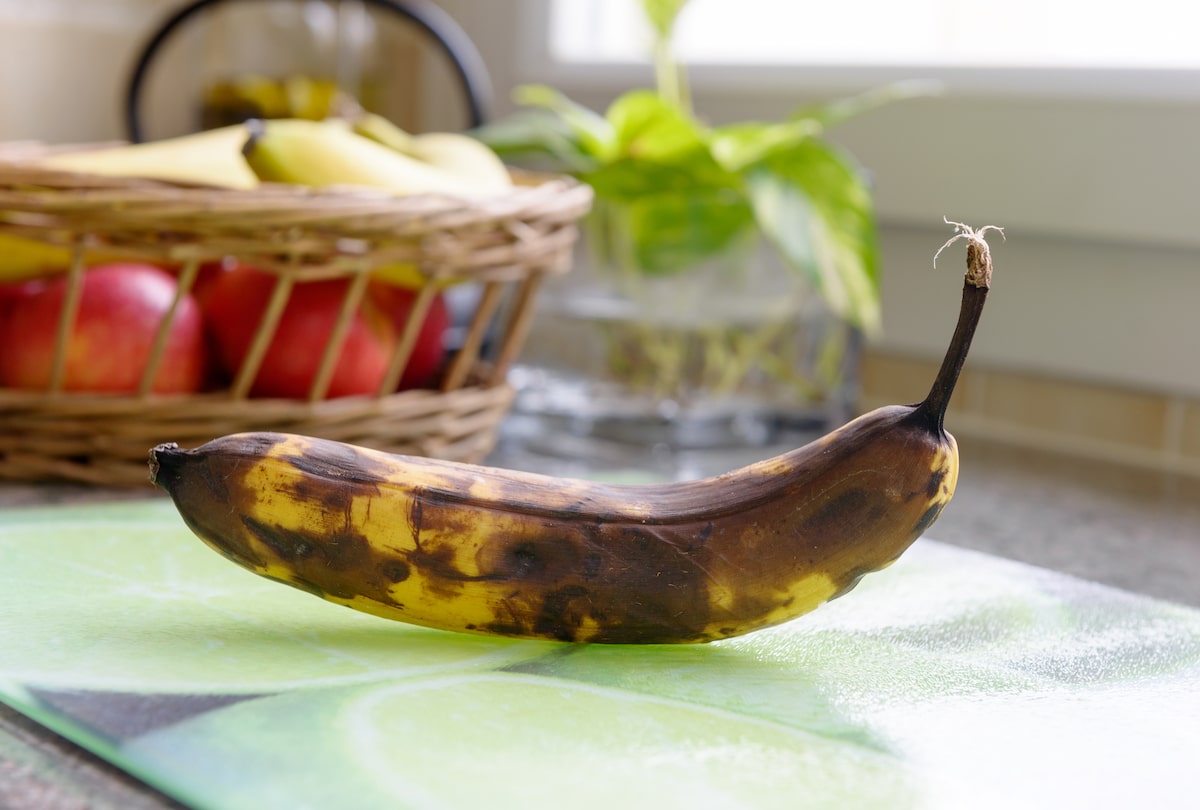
[(11, 294), (206, 276), (237, 299), (425, 363), (121, 306)]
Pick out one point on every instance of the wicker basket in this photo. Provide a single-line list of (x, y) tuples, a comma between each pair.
[(505, 246)]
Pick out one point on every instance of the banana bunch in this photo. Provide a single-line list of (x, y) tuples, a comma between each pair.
[(371, 151), (366, 150), (484, 550), (453, 152)]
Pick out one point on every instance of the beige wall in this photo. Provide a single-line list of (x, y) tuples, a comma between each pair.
[(65, 66), (62, 66)]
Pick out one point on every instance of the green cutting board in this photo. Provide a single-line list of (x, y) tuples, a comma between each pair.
[(952, 680)]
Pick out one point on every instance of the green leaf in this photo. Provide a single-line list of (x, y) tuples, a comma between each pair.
[(593, 132), (533, 135), (657, 150), (647, 127), (737, 146), (676, 232), (671, 232), (689, 192), (817, 210), (629, 179)]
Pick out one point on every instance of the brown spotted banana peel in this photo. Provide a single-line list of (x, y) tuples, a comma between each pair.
[(485, 550)]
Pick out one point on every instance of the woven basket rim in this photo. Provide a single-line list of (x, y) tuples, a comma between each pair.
[(285, 226), (27, 187)]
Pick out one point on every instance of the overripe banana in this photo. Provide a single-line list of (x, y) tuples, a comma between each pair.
[(328, 153), (484, 550)]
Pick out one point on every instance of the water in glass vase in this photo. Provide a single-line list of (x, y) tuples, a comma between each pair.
[(678, 374)]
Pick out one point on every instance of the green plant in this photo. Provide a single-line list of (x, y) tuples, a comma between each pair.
[(688, 191)]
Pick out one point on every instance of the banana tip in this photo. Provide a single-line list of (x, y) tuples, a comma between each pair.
[(158, 454), (979, 255)]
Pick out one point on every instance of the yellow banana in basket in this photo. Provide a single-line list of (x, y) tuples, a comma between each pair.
[(329, 153), (23, 258), (453, 152), (212, 157)]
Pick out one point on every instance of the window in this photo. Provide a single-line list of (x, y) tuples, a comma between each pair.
[(955, 33), (1073, 46)]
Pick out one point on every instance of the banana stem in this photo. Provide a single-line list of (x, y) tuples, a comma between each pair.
[(975, 292)]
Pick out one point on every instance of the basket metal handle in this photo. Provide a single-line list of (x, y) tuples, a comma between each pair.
[(465, 58)]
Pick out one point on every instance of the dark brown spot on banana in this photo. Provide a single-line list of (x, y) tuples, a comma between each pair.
[(498, 628), (524, 561), (927, 518), (543, 559), (342, 566), (300, 582), (562, 614), (338, 463), (934, 487), (592, 561), (288, 546), (214, 483), (438, 565), (396, 570), (825, 521)]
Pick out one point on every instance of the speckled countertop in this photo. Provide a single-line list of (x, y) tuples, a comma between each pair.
[(1132, 529)]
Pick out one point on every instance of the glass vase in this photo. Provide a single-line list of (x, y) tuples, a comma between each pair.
[(676, 374)]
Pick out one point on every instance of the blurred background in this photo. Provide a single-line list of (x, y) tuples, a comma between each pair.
[(1074, 127)]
